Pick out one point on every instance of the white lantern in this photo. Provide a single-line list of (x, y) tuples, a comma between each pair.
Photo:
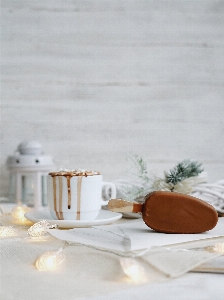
[(28, 170)]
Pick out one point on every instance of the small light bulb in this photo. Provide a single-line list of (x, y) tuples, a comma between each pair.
[(133, 270), (7, 231), (219, 247), (50, 261), (39, 228), (18, 215)]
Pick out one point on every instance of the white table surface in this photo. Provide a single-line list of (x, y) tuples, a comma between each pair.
[(198, 286), (191, 286)]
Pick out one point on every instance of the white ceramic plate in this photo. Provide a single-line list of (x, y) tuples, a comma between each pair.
[(132, 215), (105, 217)]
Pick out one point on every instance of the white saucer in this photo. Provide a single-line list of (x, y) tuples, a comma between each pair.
[(105, 217)]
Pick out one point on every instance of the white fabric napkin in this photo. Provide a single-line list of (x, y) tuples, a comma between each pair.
[(171, 254), (177, 260), (131, 236)]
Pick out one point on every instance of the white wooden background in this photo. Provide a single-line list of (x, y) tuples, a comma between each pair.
[(92, 80)]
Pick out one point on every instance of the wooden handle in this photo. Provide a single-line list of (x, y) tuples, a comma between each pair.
[(119, 205)]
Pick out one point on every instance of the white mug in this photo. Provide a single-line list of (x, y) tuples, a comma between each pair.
[(76, 195)]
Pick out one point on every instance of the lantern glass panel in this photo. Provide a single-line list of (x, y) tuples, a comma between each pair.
[(12, 188), (28, 189), (44, 190)]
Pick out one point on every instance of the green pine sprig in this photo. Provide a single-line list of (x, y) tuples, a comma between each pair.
[(185, 169)]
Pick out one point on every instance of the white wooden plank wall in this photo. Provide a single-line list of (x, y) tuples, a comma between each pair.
[(92, 80)]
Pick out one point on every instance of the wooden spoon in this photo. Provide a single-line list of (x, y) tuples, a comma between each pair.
[(171, 212)]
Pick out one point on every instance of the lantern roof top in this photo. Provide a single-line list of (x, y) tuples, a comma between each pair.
[(30, 148), (29, 157)]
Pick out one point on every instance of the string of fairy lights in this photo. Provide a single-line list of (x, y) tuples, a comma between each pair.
[(51, 260)]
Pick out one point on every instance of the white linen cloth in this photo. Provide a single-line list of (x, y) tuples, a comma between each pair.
[(135, 235), (131, 236)]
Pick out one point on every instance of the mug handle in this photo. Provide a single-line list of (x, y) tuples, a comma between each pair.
[(110, 191)]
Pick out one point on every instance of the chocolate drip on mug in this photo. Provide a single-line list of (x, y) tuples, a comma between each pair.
[(79, 186), (69, 191), (61, 217)]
